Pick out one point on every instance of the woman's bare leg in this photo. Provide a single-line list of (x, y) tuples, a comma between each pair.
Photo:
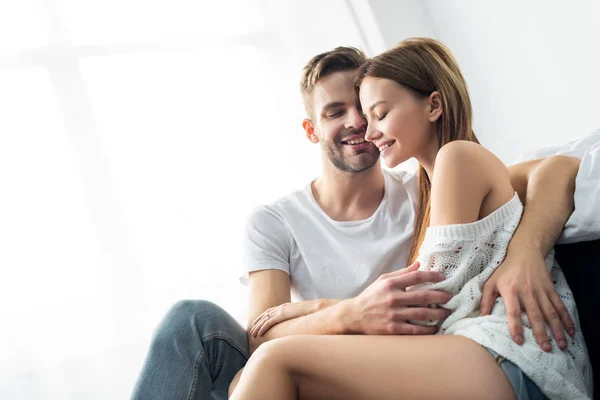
[(372, 367)]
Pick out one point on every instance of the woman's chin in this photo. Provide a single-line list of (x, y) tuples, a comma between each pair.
[(393, 160), (390, 163)]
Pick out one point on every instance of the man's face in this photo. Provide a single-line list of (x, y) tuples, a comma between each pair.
[(340, 125)]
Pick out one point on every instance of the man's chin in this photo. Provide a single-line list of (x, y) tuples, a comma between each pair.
[(364, 164)]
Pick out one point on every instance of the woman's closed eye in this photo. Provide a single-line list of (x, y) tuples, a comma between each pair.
[(380, 116)]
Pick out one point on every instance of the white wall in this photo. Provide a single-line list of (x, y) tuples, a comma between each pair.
[(531, 66), (129, 161), (400, 19)]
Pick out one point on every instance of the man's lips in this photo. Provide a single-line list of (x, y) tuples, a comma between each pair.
[(356, 137), (360, 146)]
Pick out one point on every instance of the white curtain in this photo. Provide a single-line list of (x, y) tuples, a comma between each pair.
[(135, 136)]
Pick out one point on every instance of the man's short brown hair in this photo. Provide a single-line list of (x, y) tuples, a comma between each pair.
[(339, 59)]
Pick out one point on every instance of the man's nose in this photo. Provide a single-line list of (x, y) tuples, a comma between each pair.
[(355, 120)]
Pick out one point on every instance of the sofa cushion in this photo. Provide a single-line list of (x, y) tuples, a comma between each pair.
[(580, 263)]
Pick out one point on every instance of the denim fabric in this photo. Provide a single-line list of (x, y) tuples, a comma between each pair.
[(195, 353), (525, 388)]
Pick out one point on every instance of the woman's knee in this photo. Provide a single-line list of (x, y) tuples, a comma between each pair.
[(274, 351), (284, 353)]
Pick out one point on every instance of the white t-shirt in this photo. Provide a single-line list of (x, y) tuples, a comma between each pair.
[(327, 258), (332, 259)]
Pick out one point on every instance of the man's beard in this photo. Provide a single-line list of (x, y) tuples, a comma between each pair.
[(361, 161)]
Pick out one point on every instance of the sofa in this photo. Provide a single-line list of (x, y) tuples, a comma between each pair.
[(580, 263)]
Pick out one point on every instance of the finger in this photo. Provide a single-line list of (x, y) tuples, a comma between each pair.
[(488, 298), (565, 317), (260, 316), (536, 320), (268, 324), (256, 320), (422, 298), (255, 329), (417, 277), (553, 319), (422, 314), (412, 267), (411, 329), (259, 324), (513, 311), (251, 327)]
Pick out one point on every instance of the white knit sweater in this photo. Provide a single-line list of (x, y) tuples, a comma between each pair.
[(468, 254)]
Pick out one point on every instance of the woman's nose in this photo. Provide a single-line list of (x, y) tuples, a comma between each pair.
[(371, 133)]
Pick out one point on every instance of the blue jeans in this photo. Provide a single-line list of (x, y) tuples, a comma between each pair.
[(195, 353), (525, 388)]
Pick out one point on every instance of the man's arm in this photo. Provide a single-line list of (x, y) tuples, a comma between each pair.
[(266, 254), (584, 222), (382, 308), (546, 187)]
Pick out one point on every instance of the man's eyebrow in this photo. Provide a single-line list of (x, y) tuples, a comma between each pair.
[(334, 104), (376, 104)]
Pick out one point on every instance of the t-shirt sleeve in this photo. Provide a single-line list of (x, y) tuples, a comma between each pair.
[(266, 243), (584, 222)]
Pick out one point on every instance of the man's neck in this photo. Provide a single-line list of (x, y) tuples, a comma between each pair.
[(345, 196)]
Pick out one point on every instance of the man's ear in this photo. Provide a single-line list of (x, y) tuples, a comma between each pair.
[(435, 106), (309, 128)]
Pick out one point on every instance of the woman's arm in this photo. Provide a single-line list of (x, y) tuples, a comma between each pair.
[(286, 311)]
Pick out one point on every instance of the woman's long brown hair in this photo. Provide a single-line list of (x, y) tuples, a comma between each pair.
[(424, 66)]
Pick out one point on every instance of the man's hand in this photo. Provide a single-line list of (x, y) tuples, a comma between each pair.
[(284, 312), (385, 306), (523, 281)]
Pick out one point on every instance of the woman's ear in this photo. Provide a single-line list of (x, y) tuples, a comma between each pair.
[(309, 128), (435, 106)]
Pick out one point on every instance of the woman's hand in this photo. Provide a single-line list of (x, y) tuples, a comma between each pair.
[(286, 311), (524, 282)]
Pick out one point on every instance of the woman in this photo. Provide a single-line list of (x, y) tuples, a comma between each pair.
[(417, 105)]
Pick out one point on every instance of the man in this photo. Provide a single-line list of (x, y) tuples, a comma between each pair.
[(346, 236)]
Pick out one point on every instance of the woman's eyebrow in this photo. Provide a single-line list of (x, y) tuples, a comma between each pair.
[(376, 104)]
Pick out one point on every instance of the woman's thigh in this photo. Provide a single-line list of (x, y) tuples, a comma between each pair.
[(390, 367)]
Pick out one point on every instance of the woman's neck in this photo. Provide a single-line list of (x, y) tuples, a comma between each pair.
[(427, 156)]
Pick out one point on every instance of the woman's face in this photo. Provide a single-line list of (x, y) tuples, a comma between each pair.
[(400, 123)]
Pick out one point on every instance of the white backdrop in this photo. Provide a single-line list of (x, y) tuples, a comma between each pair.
[(531, 66), (135, 136)]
